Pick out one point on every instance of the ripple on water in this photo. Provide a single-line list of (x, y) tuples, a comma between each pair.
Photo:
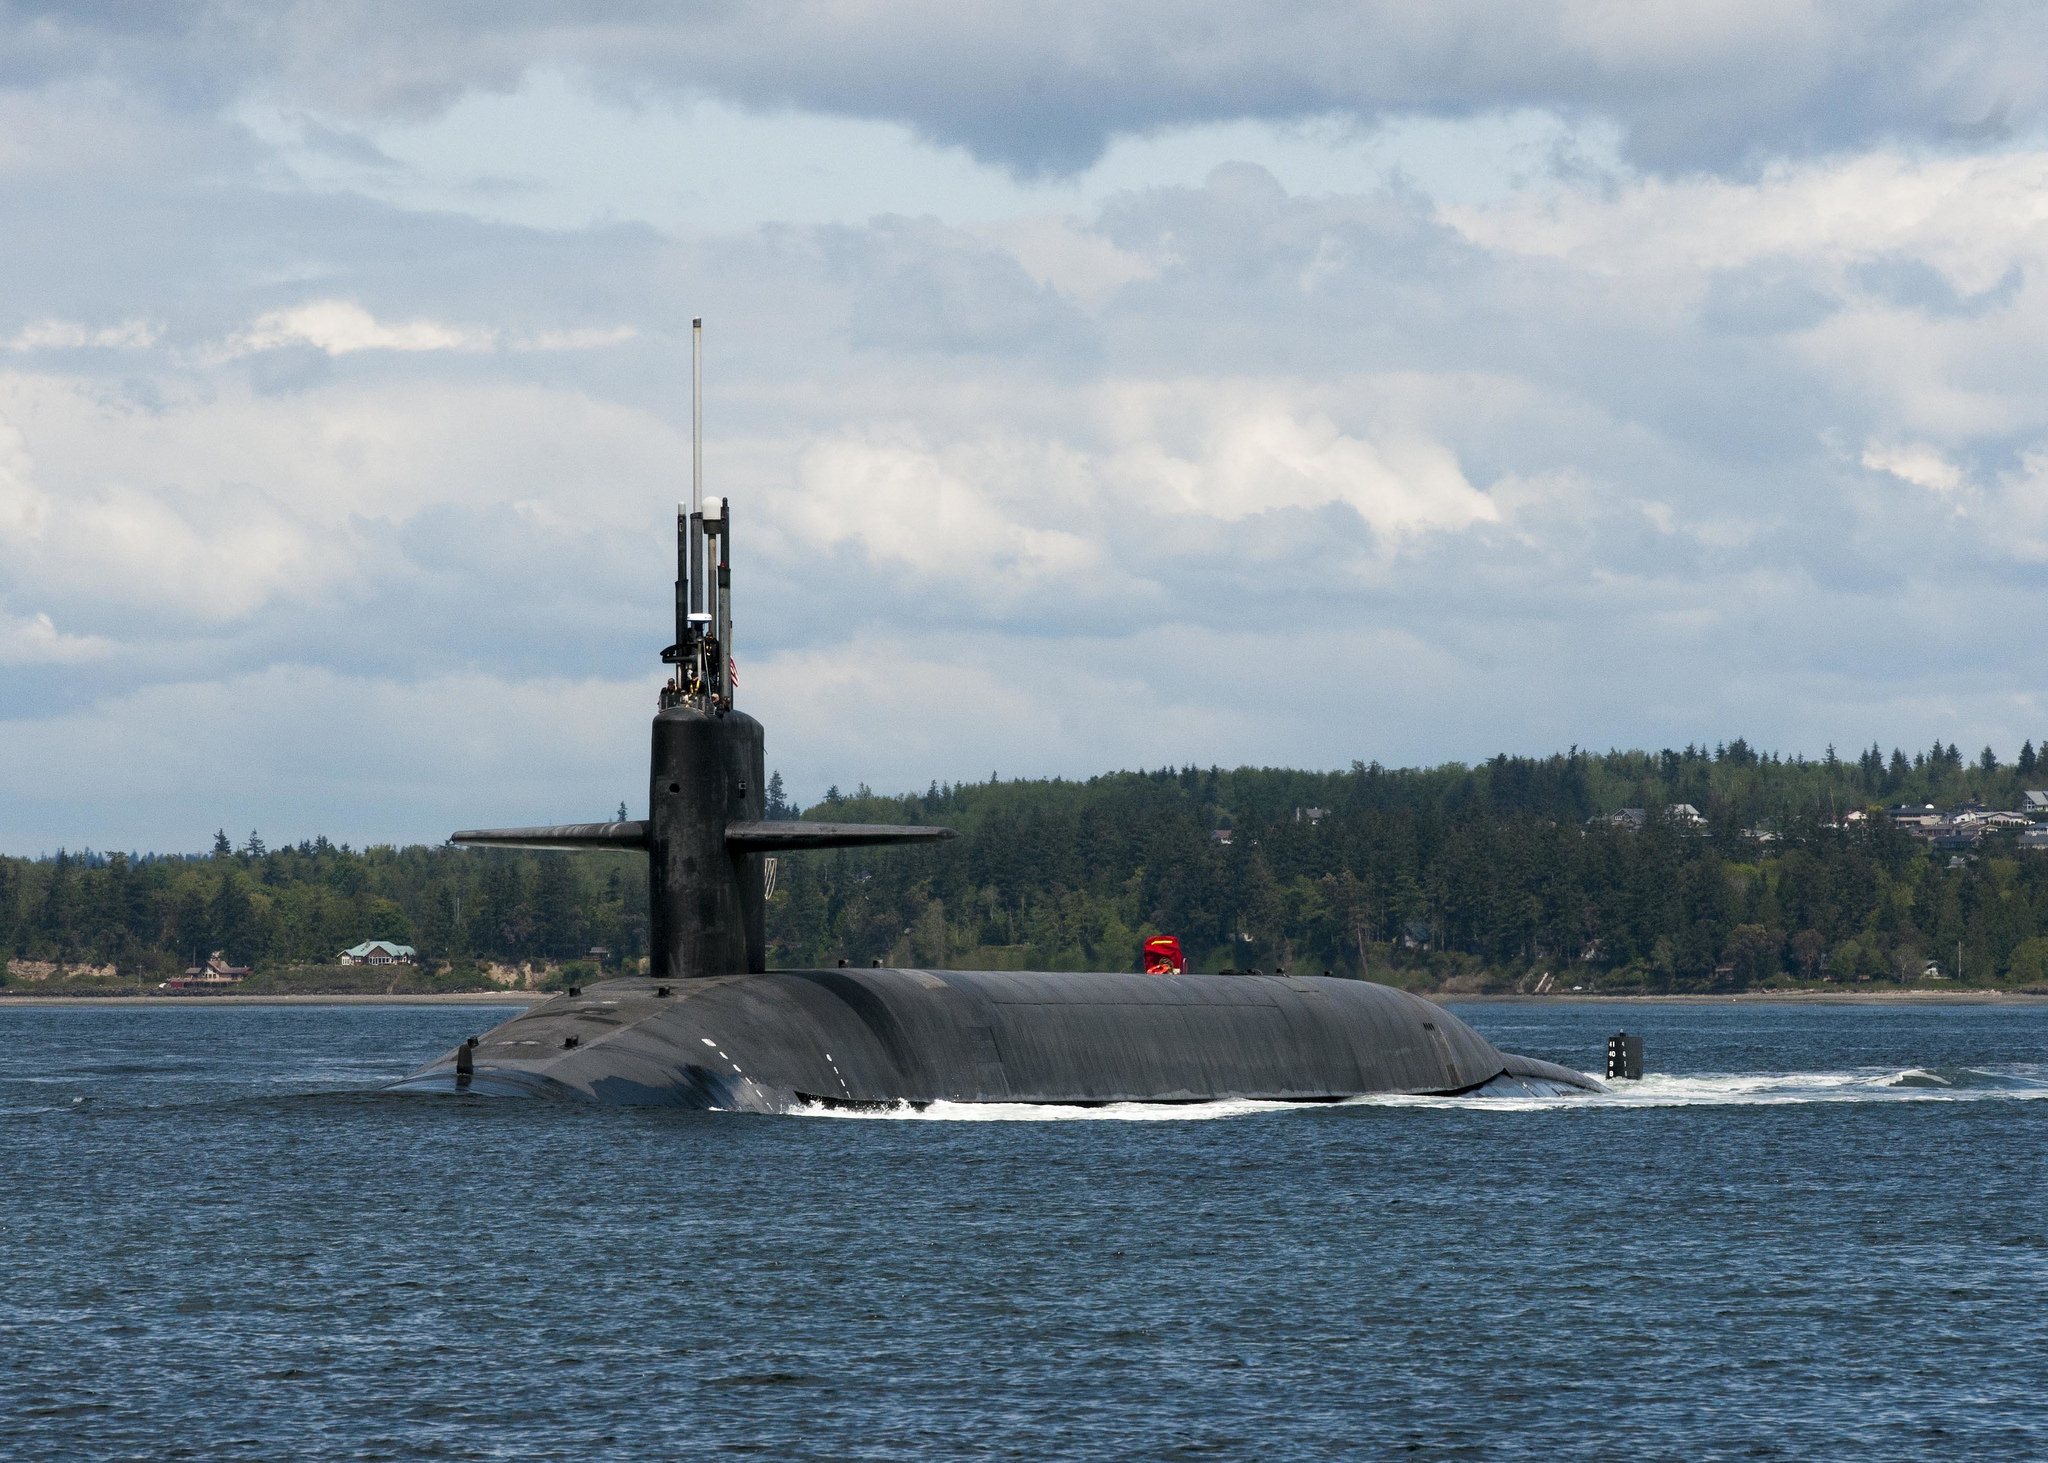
[(1802, 1235)]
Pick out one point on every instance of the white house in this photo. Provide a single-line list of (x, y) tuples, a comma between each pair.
[(378, 952)]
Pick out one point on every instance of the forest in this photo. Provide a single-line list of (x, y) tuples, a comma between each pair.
[(1485, 877)]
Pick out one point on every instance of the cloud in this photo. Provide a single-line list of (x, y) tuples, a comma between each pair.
[(1228, 449), (1066, 255), (588, 338), (1916, 463), (942, 516), (71, 335), (1225, 470), (35, 640), (1691, 85), (341, 328), (298, 750), (219, 507)]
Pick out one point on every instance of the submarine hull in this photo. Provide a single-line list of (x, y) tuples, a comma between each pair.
[(781, 1040)]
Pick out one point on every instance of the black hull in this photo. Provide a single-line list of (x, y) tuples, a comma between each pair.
[(781, 1040)]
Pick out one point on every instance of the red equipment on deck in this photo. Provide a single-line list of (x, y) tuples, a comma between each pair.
[(1163, 957)]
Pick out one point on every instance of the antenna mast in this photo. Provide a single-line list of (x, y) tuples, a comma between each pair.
[(700, 655), (697, 415)]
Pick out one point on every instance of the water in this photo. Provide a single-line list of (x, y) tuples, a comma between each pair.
[(1809, 1232)]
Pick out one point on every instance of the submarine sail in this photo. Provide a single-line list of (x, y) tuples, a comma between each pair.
[(710, 1026)]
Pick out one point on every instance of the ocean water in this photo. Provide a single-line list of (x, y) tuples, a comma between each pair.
[(1807, 1233)]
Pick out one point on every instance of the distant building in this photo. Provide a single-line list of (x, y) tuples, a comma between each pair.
[(1685, 815), (1916, 815), (1221, 835), (215, 972), (1312, 815), (2034, 838), (2034, 804), (379, 952)]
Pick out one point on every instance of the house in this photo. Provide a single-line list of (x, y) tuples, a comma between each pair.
[(215, 972), (1685, 815), (2034, 804), (378, 952), (1221, 835), (1313, 815), (2034, 838)]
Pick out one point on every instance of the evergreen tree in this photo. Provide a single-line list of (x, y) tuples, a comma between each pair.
[(59, 908), (230, 921), (504, 923), (556, 928)]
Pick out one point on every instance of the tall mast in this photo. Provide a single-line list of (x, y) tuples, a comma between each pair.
[(694, 659), (694, 679), (697, 415)]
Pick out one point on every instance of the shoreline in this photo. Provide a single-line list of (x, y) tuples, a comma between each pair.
[(422, 998), (1763, 998), (509, 997)]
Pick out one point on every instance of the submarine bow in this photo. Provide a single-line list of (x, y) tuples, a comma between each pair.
[(711, 1027)]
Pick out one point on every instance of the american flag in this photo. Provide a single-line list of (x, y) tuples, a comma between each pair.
[(732, 668)]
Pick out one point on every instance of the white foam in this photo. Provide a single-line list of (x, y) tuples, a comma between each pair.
[(1756, 1089), (1655, 1090), (1039, 1112)]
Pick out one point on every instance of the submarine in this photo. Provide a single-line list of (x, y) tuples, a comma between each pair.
[(711, 1027)]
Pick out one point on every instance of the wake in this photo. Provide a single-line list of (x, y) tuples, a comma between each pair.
[(1655, 1090)]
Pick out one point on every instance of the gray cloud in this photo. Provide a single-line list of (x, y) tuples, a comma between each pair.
[(1692, 85), (1215, 473)]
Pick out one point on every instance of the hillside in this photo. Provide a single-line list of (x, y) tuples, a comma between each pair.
[(1477, 877)]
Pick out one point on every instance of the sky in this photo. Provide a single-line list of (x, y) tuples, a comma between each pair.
[(1095, 386)]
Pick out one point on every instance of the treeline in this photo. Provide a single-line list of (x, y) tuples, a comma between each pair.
[(153, 916), (1489, 874)]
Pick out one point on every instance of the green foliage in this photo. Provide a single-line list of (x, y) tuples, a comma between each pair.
[(1486, 874), (1475, 876), (2030, 962), (301, 906)]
